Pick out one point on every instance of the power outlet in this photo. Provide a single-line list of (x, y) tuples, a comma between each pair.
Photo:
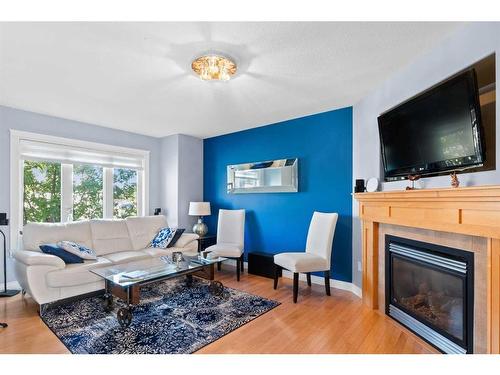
[(359, 267)]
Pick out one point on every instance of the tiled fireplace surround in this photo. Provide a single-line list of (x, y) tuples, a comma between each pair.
[(465, 218)]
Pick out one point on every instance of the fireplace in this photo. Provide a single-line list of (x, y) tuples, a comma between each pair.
[(430, 290)]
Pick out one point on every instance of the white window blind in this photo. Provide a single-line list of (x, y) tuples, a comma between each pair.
[(54, 152)]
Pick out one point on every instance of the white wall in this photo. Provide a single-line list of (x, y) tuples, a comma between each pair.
[(466, 46), (190, 178), (169, 168), (182, 178)]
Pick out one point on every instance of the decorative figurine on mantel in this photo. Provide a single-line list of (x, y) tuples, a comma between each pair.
[(413, 178), (454, 180)]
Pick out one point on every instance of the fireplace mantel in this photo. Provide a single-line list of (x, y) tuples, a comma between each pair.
[(471, 210)]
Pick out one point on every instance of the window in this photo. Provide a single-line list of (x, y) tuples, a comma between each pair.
[(87, 192), (42, 192), (58, 180), (124, 192)]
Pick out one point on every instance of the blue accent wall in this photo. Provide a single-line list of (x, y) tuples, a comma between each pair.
[(278, 222)]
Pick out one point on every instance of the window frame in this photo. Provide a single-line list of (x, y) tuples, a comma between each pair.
[(17, 178)]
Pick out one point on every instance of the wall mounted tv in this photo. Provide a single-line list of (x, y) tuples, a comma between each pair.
[(434, 132)]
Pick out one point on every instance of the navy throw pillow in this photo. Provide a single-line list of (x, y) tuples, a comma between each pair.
[(53, 249), (177, 235)]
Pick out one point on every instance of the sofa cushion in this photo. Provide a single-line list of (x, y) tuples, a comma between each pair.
[(58, 251), (110, 236), (186, 239), (143, 229), (158, 252), (126, 256), (36, 234), (76, 274)]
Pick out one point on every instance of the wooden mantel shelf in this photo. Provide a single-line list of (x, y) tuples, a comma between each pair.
[(472, 193), (471, 210)]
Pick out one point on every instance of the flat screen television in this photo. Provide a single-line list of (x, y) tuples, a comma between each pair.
[(436, 131)]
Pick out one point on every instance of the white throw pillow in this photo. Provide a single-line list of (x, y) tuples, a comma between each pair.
[(78, 250)]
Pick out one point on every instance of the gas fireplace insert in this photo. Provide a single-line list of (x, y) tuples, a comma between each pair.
[(430, 290)]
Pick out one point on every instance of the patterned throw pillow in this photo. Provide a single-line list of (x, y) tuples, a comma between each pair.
[(78, 250), (163, 238)]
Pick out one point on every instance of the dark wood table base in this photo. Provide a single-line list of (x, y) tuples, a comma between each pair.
[(132, 294)]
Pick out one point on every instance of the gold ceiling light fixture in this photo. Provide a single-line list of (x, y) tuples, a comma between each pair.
[(214, 67)]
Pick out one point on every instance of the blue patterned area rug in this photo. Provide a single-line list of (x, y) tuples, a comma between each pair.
[(172, 318)]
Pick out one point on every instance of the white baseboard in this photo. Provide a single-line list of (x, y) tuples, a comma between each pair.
[(337, 284), (357, 290)]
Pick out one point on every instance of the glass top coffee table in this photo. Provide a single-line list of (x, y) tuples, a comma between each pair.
[(125, 280)]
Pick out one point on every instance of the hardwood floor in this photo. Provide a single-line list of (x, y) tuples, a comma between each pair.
[(316, 324)]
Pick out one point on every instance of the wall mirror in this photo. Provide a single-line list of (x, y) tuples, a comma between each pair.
[(272, 176)]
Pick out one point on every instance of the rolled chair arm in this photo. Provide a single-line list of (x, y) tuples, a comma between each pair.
[(34, 258), (185, 239)]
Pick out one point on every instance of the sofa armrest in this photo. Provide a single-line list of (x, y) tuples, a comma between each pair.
[(35, 258), (185, 239)]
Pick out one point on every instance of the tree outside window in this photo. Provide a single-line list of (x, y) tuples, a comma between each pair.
[(124, 192), (87, 192), (42, 192)]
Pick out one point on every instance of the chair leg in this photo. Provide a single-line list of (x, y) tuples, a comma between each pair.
[(238, 261), (276, 275), (295, 286), (327, 282), (219, 266), (309, 278), (242, 261)]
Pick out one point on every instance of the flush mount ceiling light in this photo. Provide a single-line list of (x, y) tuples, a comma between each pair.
[(213, 67)]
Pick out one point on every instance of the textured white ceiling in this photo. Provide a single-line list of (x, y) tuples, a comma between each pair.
[(137, 76)]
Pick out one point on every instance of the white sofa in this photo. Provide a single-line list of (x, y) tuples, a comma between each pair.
[(47, 278)]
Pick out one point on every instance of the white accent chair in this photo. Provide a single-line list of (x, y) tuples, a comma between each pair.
[(230, 238), (317, 255)]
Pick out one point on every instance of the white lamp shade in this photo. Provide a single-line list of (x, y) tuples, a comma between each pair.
[(199, 208)]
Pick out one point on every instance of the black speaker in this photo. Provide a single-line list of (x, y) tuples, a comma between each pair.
[(3, 219), (157, 211), (360, 186)]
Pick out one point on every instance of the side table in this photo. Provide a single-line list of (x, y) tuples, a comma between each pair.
[(206, 241), (262, 264)]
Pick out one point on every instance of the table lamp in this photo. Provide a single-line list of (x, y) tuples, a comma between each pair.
[(5, 292), (199, 209)]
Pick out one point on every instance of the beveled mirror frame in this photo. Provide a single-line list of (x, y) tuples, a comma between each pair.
[(283, 172)]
